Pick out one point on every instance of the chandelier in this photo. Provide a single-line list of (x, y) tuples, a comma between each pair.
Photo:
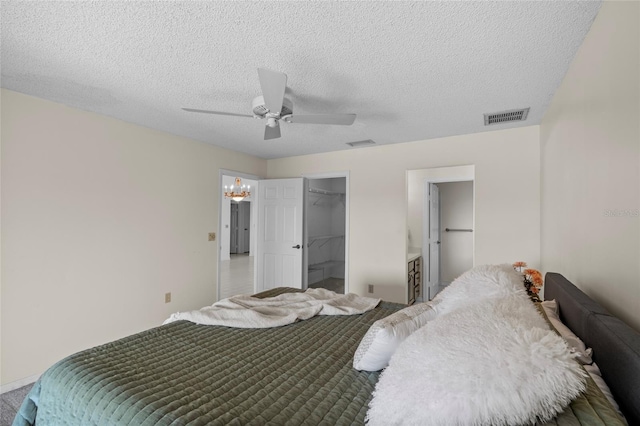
[(238, 191)]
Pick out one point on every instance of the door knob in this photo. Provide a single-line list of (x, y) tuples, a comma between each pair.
[(297, 246)]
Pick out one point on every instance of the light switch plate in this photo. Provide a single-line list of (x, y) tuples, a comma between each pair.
[(212, 236)]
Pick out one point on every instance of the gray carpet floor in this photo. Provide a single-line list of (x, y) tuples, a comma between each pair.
[(10, 403)]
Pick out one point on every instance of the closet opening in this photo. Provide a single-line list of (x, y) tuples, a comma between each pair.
[(450, 232), (326, 230), (440, 228)]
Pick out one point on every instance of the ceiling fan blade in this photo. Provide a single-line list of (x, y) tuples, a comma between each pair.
[(216, 112), (273, 84), (271, 132), (341, 119)]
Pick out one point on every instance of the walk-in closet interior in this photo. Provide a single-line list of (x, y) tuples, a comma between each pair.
[(326, 224)]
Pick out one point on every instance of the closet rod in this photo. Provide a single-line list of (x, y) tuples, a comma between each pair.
[(458, 230)]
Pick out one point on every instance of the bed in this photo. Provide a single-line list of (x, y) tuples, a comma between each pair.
[(616, 346), (183, 373)]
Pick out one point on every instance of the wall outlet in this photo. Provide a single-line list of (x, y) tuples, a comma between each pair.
[(167, 297), (212, 236), (370, 288)]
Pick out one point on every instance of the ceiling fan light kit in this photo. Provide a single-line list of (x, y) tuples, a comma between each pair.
[(261, 111), (273, 85)]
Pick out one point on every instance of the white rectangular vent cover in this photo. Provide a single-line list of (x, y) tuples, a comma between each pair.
[(506, 116), (361, 143)]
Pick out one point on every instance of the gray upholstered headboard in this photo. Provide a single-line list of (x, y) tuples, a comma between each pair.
[(616, 346)]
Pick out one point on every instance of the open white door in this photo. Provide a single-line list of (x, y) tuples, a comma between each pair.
[(280, 233), (433, 274)]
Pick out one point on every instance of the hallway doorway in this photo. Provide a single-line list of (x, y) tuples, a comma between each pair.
[(240, 227), (237, 227)]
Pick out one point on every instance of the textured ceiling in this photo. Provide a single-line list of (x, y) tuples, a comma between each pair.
[(409, 70)]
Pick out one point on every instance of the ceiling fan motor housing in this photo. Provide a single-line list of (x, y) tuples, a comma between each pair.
[(260, 110)]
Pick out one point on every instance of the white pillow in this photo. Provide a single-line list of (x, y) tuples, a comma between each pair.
[(495, 363), (577, 346), (385, 335), (477, 284)]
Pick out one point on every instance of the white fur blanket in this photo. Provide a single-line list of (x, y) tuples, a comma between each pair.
[(488, 358), (245, 311)]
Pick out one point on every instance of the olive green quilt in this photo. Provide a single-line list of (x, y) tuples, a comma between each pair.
[(187, 374)]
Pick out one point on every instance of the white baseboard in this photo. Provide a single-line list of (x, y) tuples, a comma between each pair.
[(18, 384)]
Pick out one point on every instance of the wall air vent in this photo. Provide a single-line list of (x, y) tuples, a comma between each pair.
[(361, 143), (506, 116)]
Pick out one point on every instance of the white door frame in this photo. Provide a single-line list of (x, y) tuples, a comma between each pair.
[(329, 175), (428, 238), (242, 175), (425, 214)]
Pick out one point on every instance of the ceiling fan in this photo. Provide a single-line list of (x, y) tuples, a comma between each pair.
[(273, 106)]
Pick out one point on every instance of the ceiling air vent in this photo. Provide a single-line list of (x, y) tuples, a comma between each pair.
[(361, 143), (506, 116)]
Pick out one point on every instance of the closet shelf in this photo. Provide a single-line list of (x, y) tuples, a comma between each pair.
[(324, 191), (326, 239), (323, 266), (326, 197)]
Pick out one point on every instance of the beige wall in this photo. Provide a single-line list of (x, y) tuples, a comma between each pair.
[(507, 191), (590, 156), (99, 219)]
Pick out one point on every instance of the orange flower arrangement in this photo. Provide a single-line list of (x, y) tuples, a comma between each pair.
[(532, 280), (519, 265)]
